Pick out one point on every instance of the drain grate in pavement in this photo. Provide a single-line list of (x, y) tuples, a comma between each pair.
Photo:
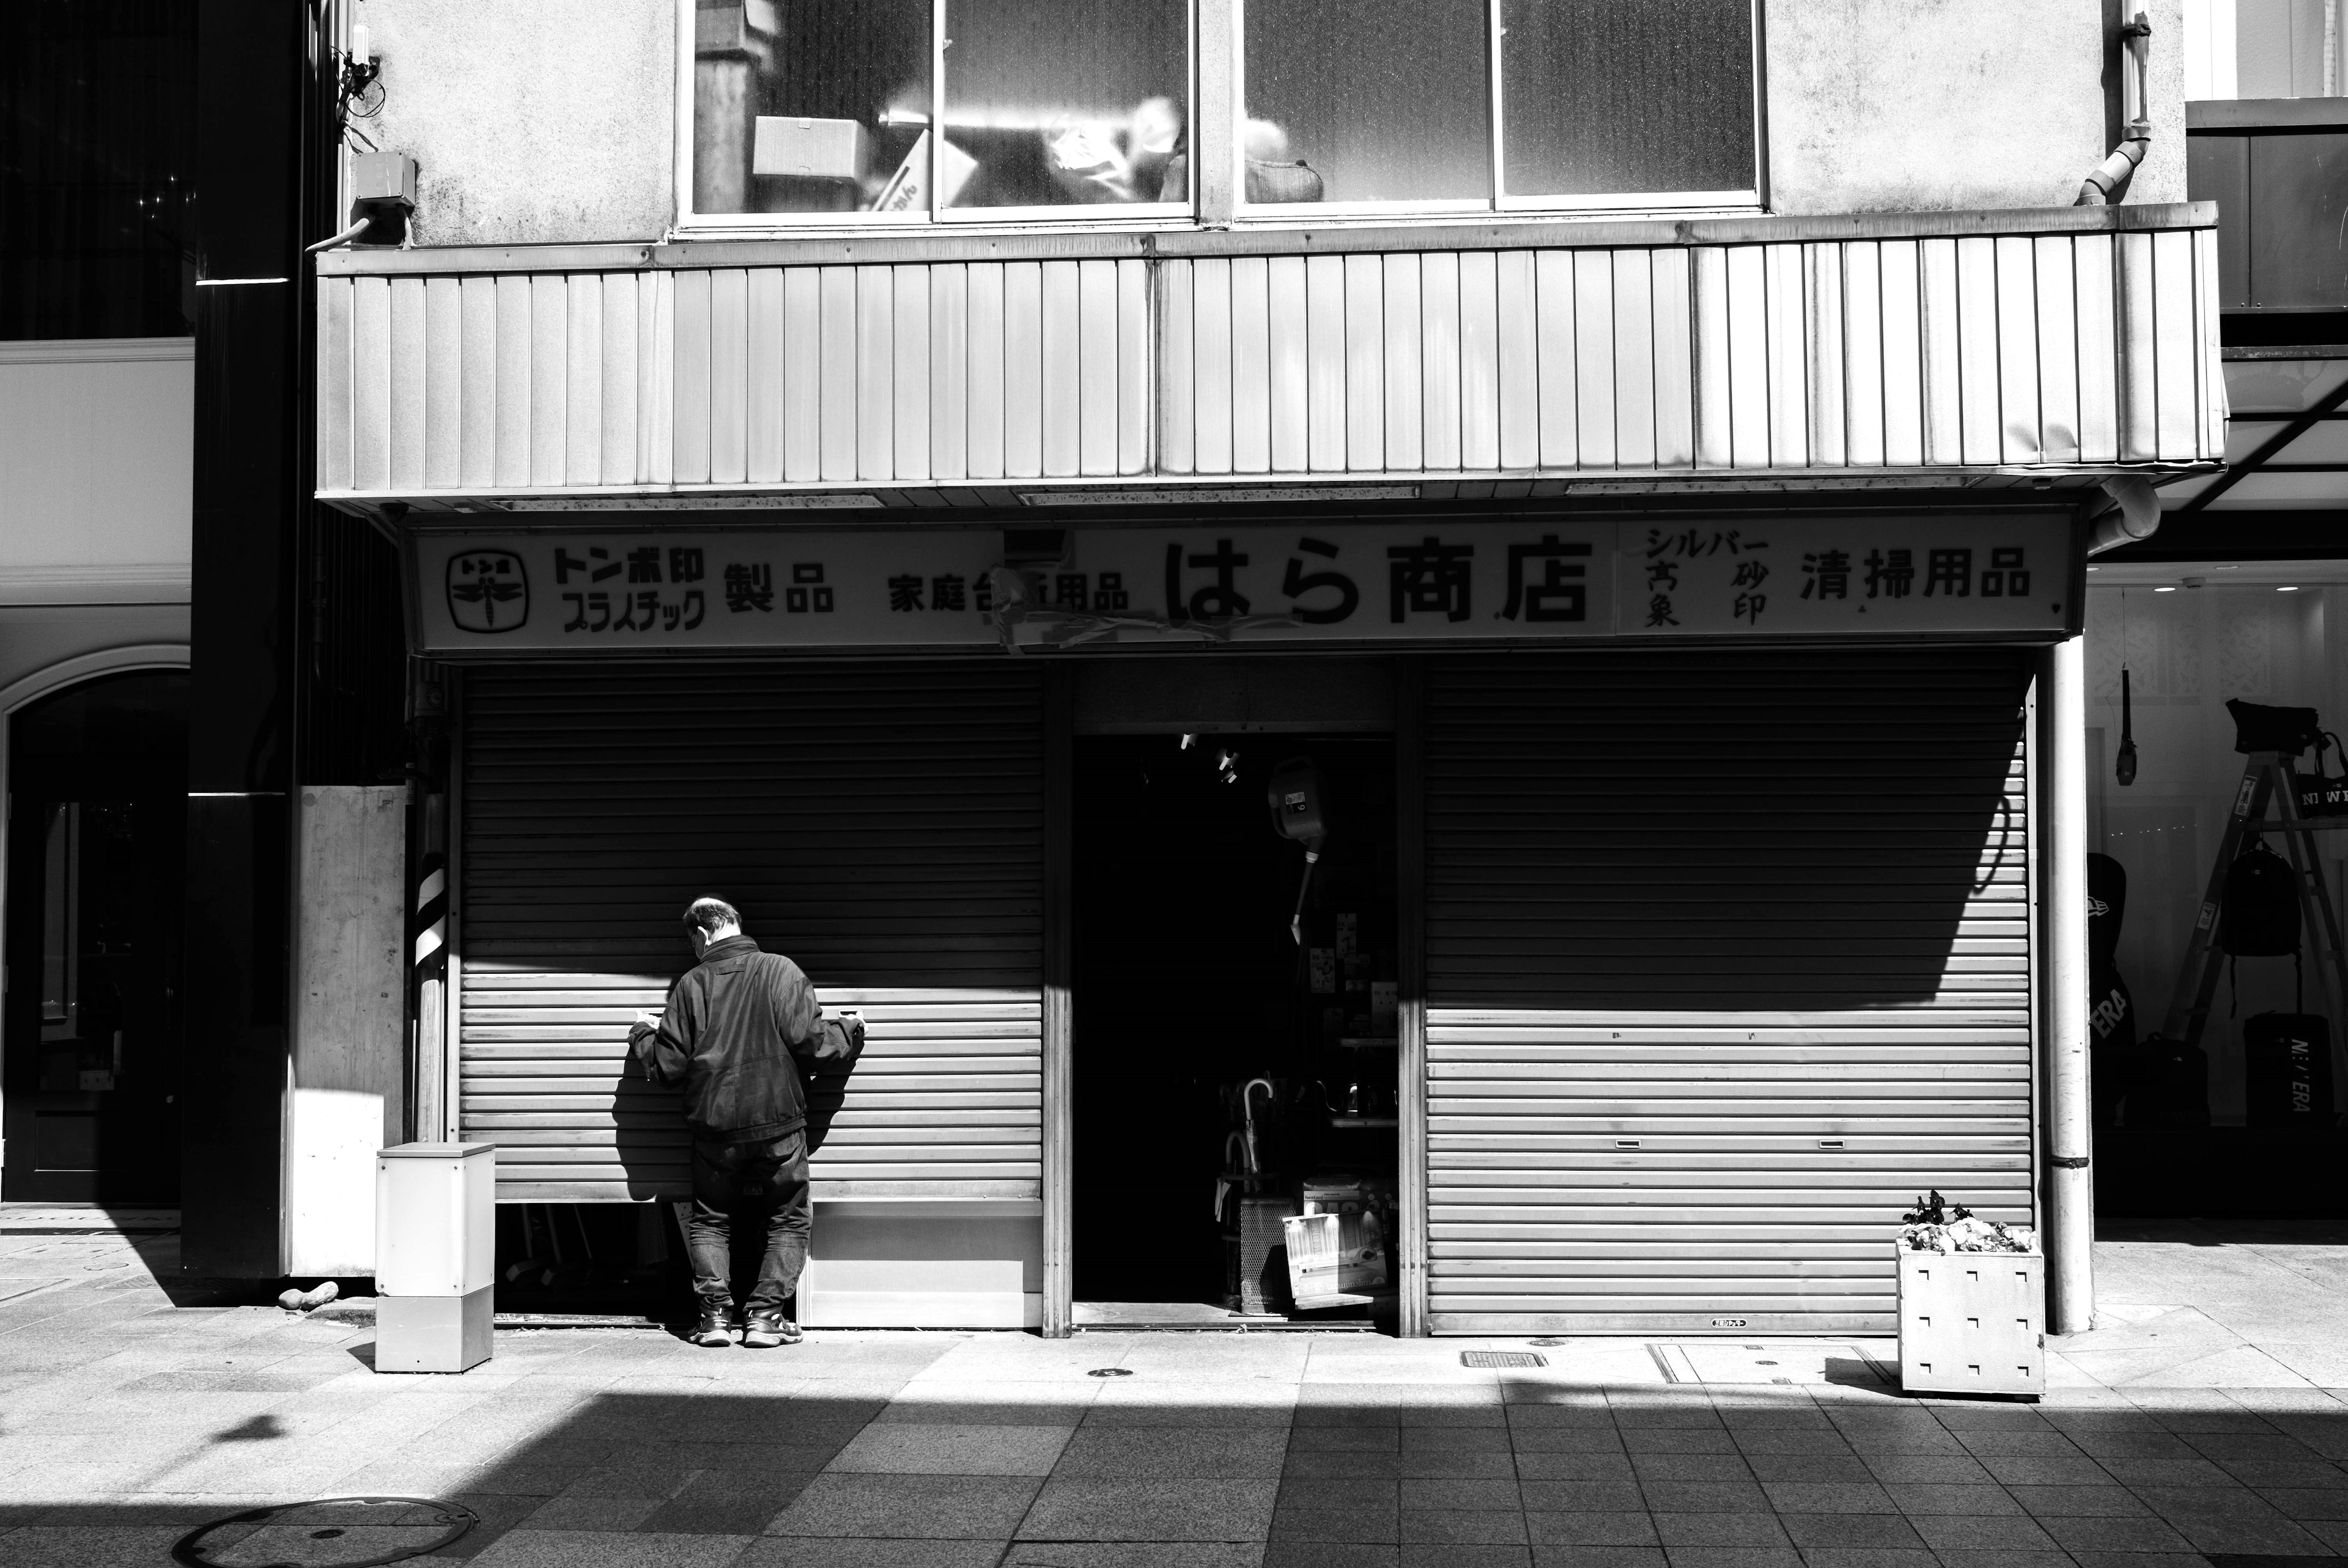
[(1501, 1358), (330, 1533)]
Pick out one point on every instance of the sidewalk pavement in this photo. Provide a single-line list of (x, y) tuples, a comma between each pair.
[(2199, 1420)]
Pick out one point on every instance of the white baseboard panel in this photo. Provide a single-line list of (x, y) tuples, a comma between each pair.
[(821, 1309)]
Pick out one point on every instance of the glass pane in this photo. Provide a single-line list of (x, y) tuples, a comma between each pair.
[(1057, 103), (1380, 100), (807, 106), (1604, 97)]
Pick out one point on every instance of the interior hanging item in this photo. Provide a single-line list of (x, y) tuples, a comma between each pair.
[(2260, 728), (2319, 793), (1298, 812), (2111, 1011), (2123, 769), (2260, 918), (2287, 1069)]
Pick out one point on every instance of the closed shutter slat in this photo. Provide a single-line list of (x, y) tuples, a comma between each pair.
[(1728, 959), (883, 828)]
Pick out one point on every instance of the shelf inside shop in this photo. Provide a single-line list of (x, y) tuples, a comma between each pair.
[(1366, 1042), (1364, 1122)]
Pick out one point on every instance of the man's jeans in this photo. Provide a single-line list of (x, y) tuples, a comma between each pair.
[(764, 1184)]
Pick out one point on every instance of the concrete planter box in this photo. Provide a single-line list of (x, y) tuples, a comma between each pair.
[(1972, 1323)]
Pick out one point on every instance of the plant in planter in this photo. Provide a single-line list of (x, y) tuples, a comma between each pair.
[(1972, 1297)]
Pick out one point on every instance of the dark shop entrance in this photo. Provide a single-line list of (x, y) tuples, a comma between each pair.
[(1232, 1075)]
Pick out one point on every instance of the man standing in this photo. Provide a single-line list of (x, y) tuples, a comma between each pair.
[(738, 1027)]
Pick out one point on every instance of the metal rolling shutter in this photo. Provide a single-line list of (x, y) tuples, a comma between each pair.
[(884, 827), (1728, 957)]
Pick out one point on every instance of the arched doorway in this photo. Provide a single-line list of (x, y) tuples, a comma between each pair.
[(96, 831)]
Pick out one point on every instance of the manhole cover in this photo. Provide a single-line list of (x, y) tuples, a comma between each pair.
[(1501, 1358), (331, 1532)]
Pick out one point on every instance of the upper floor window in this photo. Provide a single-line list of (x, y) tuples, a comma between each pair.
[(913, 109), (917, 110), (97, 160)]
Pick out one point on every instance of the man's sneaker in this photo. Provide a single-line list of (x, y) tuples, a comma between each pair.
[(769, 1329), (713, 1330)]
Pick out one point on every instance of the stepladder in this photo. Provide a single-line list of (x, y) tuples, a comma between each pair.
[(2267, 803)]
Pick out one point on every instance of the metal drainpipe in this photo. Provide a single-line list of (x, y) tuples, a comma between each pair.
[(2107, 181), (2070, 1184)]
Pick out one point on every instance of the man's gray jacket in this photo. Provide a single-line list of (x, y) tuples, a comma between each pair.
[(738, 1028)]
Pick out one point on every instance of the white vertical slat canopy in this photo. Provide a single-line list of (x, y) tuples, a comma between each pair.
[(1970, 352)]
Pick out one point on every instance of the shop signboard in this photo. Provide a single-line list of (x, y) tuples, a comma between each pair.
[(599, 589)]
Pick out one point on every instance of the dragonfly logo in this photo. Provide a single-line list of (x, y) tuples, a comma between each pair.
[(487, 591)]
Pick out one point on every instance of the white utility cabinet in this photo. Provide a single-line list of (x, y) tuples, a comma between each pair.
[(1973, 1322), (435, 1255)]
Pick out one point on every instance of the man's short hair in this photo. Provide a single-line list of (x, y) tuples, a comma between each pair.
[(712, 914)]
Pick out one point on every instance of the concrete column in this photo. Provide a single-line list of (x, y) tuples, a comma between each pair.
[(2070, 1186)]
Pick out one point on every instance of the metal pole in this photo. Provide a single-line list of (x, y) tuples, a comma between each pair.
[(2070, 1184)]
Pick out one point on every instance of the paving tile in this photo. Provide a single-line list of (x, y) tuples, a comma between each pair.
[(1828, 1497), (1151, 1511), (89, 1545), (717, 1504), (1936, 1470), (2305, 1504), (1455, 1493), (1958, 1558), (1809, 1467), (2265, 1474), (1459, 1555), (1873, 1531), (2244, 1533), (908, 1449), (1134, 1554), (1704, 1440), (1564, 1554), (1729, 1466), (2192, 1470), (594, 1512), (1175, 1453), (1367, 1496), (1957, 1532), (1705, 1497), (2092, 1501), (1920, 1497), (1329, 1554), (1870, 1557), (2269, 1445), (2169, 1500), (1573, 1493), (1620, 1527), (940, 1507), (2139, 1559), (1720, 1529), (2040, 1470), (1574, 1466), (2008, 1443), (1462, 1525), (1596, 1442), (567, 1549), (1347, 1526), (802, 1552), (1453, 1440), (2077, 1534), (1380, 1439), (1732, 1557)]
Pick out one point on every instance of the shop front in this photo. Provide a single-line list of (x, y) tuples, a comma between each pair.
[(1670, 920)]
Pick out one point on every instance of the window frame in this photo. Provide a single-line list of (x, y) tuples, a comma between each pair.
[(1189, 214)]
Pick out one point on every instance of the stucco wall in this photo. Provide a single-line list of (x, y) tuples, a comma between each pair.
[(531, 123), (97, 465), (530, 132), (1921, 104)]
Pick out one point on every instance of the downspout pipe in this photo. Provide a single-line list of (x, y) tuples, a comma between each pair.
[(2131, 512), (2107, 182), (2067, 1134)]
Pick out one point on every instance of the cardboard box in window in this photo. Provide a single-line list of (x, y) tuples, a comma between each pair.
[(1973, 1322), (810, 148)]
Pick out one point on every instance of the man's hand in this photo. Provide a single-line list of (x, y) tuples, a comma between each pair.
[(649, 1019)]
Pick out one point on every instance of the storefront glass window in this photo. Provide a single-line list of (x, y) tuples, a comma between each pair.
[(1060, 103), (1604, 99), (1367, 100), (825, 106)]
